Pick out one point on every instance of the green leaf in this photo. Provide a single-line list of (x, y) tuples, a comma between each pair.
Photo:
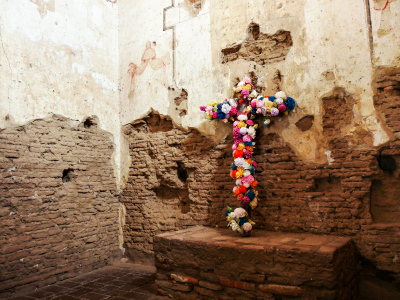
[(230, 209)]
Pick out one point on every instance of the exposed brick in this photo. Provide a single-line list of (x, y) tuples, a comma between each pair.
[(210, 286), (50, 223), (252, 277), (238, 284), (281, 289)]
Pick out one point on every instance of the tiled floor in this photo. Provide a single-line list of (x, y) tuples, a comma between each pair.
[(121, 282)]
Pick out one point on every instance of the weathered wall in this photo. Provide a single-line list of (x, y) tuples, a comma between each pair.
[(328, 168), (58, 188), (59, 57), (58, 202)]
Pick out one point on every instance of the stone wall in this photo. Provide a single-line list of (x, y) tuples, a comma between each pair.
[(179, 178), (58, 202)]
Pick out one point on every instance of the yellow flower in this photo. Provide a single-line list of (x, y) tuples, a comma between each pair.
[(241, 124), (209, 117), (286, 112), (268, 104), (255, 126), (248, 87), (212, 103), (221, 101), (248, 109), (240, 146), (239, 173)]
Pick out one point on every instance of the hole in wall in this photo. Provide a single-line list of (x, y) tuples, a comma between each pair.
[(89, 122), (66, 176), (182, 173), (387, 163)]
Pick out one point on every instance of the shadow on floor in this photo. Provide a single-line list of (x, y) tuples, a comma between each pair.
[(117, 282)]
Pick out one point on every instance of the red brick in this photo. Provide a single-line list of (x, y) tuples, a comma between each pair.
[(281, 289), (238, 284)]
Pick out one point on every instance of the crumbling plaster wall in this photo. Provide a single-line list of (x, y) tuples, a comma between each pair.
[(331, 48), (338, 59), (59, 57)]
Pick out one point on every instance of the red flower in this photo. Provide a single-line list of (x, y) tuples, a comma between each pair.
[(238, 153), (242, 189)]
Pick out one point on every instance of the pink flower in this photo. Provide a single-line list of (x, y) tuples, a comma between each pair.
[(252, 86), (250, 122), (259, 111), (247, 138), (247, 227), (246, 80), (236, 133), (233, 111), (248, 179), (247, 154), (235, 123), (245, 93), (234, 147), (255, 164), (274, 111), (202, 108), (235, 188), (253, 103), (238, 141), (246, 200), (215, 115), (282, 107), (260, 103)]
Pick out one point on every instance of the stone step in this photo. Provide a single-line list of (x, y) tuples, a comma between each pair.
[(211, 263)]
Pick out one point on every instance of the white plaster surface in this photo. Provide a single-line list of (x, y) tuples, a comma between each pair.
[(77, 58), (59, 57)]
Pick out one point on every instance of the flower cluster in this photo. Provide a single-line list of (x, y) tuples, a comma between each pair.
[(223, 109), (238, 220), (243, 168), (246, 105)]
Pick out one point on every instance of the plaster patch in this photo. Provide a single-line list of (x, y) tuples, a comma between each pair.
[(103, 80)]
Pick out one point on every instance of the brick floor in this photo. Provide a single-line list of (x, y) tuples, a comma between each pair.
[(118, 282)]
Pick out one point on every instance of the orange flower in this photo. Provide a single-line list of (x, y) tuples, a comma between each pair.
[(250, 148), (254, 184), (249, 161)]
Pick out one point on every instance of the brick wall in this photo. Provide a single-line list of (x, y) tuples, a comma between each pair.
[(180, 178), (58, 202)]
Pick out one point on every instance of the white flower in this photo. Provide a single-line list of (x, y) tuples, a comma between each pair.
[(246, 173), (254, 93), (241, 83), (246, 165), (226, 108), (280, 95), (267, 121), (232, 215), (239, 212), (251, 131), (239, 182), (235, 226), (246, 184), (247, 226), (242, 118), (239, 161), (232, 102), (243, 130), (278, 101)]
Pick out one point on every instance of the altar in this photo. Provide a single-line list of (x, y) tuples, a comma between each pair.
[(215, 263)]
